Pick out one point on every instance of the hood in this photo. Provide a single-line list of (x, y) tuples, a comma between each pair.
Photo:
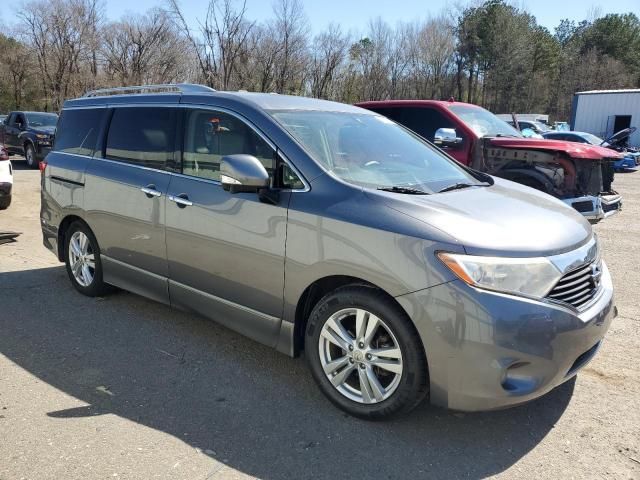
[(505, 219), (46, 130), (573, 149)]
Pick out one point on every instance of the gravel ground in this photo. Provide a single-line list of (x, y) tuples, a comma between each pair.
[(122, 387)]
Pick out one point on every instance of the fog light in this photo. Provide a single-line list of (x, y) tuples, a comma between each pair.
[(516, 381)]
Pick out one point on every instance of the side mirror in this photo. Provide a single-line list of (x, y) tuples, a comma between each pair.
[(447, 137), (243, 173)]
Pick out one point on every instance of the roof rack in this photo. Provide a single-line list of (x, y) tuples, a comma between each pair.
[(163, 88)]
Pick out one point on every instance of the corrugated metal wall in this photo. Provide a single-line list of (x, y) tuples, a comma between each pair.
[(594, 109)]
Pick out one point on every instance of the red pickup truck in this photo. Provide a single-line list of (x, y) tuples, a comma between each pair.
[(581, 175)]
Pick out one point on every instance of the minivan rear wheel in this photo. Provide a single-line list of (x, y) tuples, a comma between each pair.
[(82, 259), (364, 353)]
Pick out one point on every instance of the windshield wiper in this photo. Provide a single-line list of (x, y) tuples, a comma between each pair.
[(458, 186), (407, 190)]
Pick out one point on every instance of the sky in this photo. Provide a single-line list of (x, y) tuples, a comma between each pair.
[(353, 15)]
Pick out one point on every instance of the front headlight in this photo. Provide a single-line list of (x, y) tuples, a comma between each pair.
[(532, 277), (42, 136)]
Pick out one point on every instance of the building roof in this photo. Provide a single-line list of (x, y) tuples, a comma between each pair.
[(599, 92)]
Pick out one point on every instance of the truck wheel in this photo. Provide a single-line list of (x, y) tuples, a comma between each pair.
[(532, 183), (30, 156), (364, 354), (5, 202)]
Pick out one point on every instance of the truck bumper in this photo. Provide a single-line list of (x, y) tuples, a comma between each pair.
[(595, 208), (42, 151)]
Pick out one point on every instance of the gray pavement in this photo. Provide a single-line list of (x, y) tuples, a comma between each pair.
[(122, 387)]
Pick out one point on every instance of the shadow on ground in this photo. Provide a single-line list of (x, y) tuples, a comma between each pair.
[(19, 163), (258, 410)]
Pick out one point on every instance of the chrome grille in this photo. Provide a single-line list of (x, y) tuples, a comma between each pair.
[(578, 287)]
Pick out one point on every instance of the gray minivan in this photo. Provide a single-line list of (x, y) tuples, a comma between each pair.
[(316, 226)]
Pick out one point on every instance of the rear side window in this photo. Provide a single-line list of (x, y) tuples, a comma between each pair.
[(394, 114), (77, 131), (142, 136), (425, 121)]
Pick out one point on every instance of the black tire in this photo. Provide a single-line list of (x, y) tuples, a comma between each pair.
[(5, 202), (30, 156), (532, 183), (97, 287), (414, 380)]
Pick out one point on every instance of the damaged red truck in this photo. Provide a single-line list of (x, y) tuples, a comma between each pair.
[(581, 175)]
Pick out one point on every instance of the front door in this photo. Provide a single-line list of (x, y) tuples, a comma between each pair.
[(226, 251), (125, 194), (12, 131)]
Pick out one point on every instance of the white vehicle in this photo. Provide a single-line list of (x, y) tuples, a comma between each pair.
[(6, 179)]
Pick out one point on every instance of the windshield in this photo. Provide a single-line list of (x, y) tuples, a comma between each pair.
[(543, 127), (483, 122), (371, 151), (592, 139), (42, 119)]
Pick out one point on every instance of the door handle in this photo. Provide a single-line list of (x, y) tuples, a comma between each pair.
[(182, 200), (150, 191)]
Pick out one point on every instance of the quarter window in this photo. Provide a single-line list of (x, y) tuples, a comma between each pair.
[(211, 135), (142, 136), (77, 131)]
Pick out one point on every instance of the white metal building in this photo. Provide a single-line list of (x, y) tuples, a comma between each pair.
[(604, 112)]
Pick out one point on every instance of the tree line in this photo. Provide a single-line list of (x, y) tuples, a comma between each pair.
[(494, 54)]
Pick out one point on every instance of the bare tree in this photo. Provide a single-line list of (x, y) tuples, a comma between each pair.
[(257, 65), (328, 53), (290, 28), (60, 32), (18, 68), (224, 34), (143, 49)]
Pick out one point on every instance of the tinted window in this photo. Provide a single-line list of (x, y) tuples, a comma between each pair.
[(210, 135), (394, 114), (142, 136), (77, 131), (425, 121), (42, 119)]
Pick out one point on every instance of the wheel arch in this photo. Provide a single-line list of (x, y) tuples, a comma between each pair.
[(62, 231), (529, 177), (28, 141), (321, 287)]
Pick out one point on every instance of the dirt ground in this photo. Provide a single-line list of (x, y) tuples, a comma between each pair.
[(122, 387)]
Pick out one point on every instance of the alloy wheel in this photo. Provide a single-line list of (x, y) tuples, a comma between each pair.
[(29, 156), (81, 259), (360, 355)]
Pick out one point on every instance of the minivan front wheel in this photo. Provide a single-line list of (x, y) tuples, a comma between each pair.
[(82, 259), (364, 353)]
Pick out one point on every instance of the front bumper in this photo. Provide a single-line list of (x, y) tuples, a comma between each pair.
[(488, 350), (595, 208), (626, 163), (42, 151)]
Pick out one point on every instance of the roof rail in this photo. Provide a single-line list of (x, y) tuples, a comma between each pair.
[(163, 88)]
